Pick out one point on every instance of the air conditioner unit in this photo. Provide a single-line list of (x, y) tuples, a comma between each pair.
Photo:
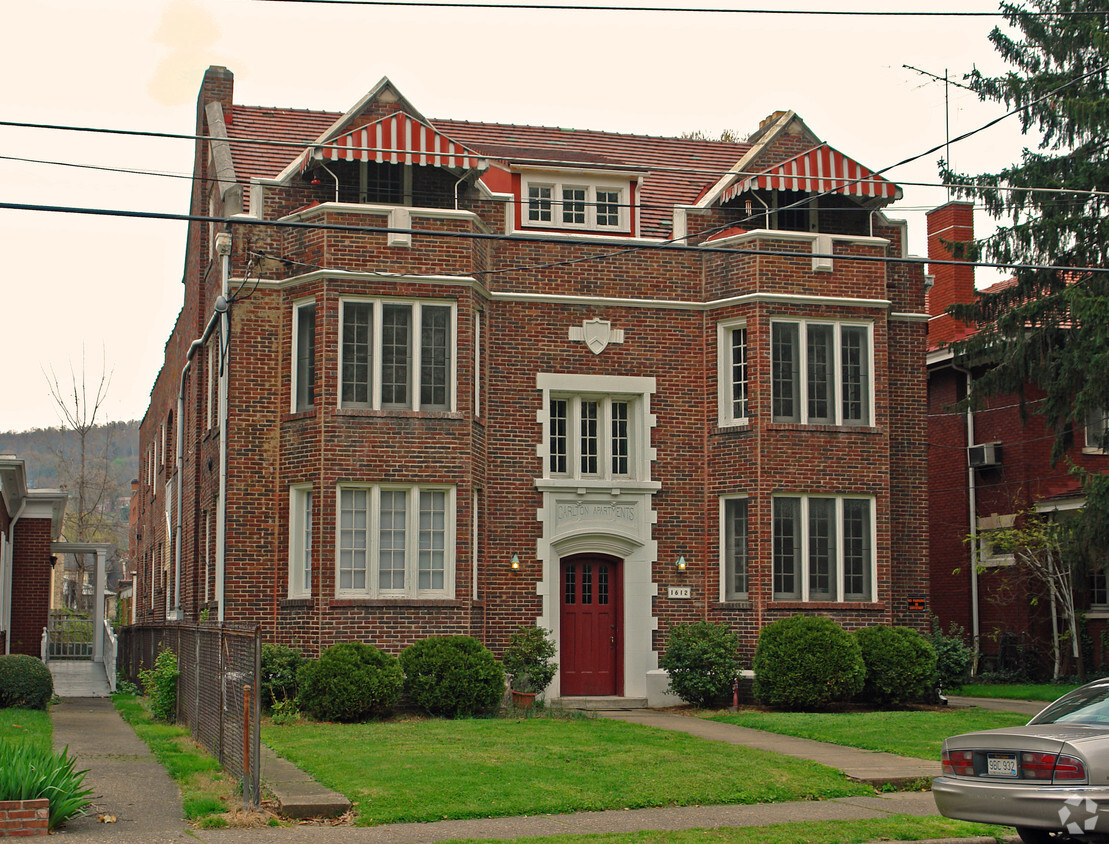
[(985, 455)]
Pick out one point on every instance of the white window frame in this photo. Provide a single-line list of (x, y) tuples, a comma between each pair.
[(411, 589), (802, 416), (211, 352), (477, 364), (1096, 423), (727, 564), (605, 440), (725, 374), (415, 362), (298, 308), (988, 556), (300, 540), (837, 596), (590, 183)]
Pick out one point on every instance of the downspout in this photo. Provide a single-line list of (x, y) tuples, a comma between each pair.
[(333, 176), (972, 506), (8, 571), (223, 249), (180, 462)]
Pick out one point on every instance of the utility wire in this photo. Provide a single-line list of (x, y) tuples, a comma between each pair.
[(428, 4), (522, 238)]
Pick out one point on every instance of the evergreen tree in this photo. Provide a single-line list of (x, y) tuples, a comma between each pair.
[(1050, 327)]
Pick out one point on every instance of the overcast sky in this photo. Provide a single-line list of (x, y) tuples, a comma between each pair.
[(107, 290)]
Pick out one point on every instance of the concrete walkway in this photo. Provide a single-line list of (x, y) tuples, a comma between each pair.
[(130, 787)]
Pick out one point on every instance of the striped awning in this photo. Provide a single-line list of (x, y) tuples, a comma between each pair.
[(397, 139), (822, 169)]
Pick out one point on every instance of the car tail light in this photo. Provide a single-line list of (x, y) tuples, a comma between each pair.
[(958, 762), (1049, 766)]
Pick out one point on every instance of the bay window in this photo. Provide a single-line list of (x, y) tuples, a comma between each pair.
[(732, 373), (820, 372), (395, 541), (396, 355), (304, 356), (823, 548)]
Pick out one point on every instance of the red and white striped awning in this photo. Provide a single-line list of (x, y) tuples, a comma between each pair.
[(397, 139), (822, 169)]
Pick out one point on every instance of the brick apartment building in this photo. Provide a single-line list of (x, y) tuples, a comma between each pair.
[(479, 376), (985, 467), (30, 520)]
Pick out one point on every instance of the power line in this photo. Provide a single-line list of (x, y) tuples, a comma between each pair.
[(523, 238), (428, 4)]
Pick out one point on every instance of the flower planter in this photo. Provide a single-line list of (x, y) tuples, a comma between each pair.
[(522, 700)]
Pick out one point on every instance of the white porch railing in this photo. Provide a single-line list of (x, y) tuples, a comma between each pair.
[(111, 645)]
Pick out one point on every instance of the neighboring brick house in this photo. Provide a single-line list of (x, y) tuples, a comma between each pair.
[(985, 467), (30, 520), (472, 386)]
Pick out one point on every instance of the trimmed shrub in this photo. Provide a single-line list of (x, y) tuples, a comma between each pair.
[(702, 660), (900, 664), (953, 657), (279, 674), (452, 676), (351, 681), (25, 682), (528, 659), (160, 683), (807, 662), (29, 772)]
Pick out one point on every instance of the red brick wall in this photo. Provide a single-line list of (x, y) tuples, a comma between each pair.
[(30, 585), (23, 818)]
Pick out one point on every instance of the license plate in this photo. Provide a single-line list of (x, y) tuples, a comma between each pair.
[(1001, 765)]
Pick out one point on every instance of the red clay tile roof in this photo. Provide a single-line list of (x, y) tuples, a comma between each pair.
[(677, 170)]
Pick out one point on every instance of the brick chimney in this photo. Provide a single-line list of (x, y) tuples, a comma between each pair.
[(953, 223)]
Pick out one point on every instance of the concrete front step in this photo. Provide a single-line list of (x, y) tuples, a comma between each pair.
[(601, 702), (297, 794)]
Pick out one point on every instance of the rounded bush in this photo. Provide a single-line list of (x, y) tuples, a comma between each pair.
[(452, 676), (528, 659), (351, 681), (702, 660), (900, 664), (25, 682), (279, 674), (807, 662)]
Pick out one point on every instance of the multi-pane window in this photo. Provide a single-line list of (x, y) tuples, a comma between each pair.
[(539, 203), (820, 373), (551, 203), (822, 548), (734, 552), (397, 355), (304, 356), (733, 373), (1097, 427), (300, 541), (573, 206), (1099, 589), (395, 541), (590, 437)]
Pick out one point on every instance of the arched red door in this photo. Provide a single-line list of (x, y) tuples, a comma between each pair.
[(591, 634)]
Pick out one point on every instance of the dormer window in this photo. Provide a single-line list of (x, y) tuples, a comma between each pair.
[(575, 201)]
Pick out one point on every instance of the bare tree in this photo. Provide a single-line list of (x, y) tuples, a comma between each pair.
[(84, 461)]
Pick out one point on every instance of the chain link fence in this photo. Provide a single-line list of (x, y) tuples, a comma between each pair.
[(217, 690)]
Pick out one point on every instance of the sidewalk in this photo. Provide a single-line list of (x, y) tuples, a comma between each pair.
[(130, 785)]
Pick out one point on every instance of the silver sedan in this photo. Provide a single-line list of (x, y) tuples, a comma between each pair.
[(1049, 779)]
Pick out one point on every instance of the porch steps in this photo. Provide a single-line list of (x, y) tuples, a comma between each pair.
[(601, 702)]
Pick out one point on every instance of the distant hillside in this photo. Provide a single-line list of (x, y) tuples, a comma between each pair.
[(39, 449)]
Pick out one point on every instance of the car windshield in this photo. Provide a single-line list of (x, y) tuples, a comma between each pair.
[(1088, 705)]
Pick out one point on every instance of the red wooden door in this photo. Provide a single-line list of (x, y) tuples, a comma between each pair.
[(591, 636)]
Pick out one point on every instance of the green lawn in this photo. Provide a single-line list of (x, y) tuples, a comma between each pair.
[(1046, 692), (425, 770), (32, 725), (916, 734), (893, 828)]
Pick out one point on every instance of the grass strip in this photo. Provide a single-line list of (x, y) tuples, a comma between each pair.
[(892, 828), (28, 725), (206, 791), (427, 770), (1045, 692), (917, 733)]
